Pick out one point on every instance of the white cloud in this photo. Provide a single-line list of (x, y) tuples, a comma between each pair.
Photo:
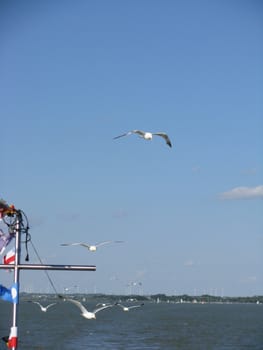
[(243, 193)]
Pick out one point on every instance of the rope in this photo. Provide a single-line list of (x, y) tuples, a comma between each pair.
[(49, 278)]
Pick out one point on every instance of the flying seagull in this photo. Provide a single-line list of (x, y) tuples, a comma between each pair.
[(90, 247), (127, 308), (85, 313), (147, 135), (43, 308)]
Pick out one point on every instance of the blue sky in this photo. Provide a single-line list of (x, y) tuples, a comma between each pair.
[(76, 74)]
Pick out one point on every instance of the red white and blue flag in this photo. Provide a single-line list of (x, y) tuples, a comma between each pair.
[(9, 258), (5, 239)]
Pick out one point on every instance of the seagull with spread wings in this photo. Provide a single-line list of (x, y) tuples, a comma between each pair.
[(88, 314), (90, 247), (147, 135), (43, 308), (127, 308)]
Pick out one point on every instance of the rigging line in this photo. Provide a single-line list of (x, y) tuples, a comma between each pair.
[(50, 280)]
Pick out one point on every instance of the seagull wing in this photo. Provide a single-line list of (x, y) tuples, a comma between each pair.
[(101, 308), (67, 244), (78, 243), (102, 243), (139, 132), (126, 134), (50, 305), (36, 302), (85, 245), (134, 306), (79, 305), (165, 136)]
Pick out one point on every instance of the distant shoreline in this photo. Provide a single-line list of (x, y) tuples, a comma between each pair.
[(184, 298)]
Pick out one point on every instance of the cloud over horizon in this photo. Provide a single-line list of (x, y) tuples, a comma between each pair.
[(243, 192)]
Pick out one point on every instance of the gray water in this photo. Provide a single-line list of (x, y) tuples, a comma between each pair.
[(154, 326)]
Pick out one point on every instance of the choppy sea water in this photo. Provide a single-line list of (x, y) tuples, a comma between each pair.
[(154, 326)]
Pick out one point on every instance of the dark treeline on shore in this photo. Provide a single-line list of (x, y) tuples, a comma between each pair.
[(206, 298)]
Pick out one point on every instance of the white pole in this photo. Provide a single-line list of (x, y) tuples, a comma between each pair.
[(16, 277)]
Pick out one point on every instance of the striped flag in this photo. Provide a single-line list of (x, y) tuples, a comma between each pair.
[(9, 258), (4, 240), (12, 340)]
